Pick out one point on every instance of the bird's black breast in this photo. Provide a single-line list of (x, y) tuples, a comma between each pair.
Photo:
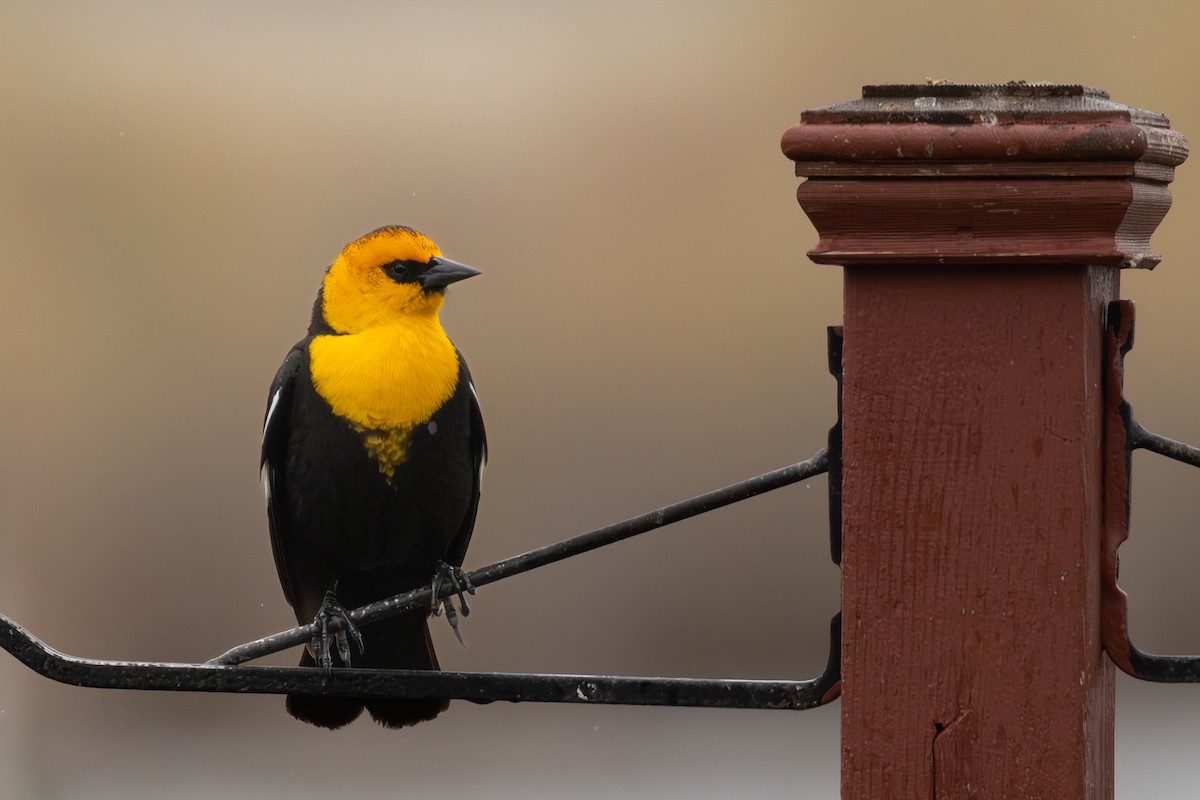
[(377, 534)]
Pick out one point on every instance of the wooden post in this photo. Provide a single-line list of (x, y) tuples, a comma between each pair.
[(982, 230)]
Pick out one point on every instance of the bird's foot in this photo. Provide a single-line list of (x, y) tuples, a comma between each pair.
[(453, 579), (330, 611)]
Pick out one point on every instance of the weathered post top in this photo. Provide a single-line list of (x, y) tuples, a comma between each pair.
[(1046, 142)]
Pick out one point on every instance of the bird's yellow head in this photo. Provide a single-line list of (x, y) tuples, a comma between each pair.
[(389, 275)]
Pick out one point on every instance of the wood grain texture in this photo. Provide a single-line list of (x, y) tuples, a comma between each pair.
[(972, 663), (968, 220)]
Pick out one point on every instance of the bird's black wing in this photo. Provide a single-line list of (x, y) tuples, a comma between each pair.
[(276, 436), (478, 444)]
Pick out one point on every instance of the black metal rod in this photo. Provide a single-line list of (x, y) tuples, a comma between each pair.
[(1148, 666), (476, 687), (610, 534), (1157, 668), (1141, 438)]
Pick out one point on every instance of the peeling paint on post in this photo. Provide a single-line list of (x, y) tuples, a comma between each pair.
[(982, 230)]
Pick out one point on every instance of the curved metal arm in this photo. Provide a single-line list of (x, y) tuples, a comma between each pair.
[(1123, 435), (225, 674), (477, 687)]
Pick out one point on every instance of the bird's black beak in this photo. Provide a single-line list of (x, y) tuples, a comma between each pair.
[(442, 272)]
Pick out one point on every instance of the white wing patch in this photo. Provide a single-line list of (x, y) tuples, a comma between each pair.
[(265, 475), (271, 409)]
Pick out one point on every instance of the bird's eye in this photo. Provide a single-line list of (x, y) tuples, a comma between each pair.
[(396, 270)]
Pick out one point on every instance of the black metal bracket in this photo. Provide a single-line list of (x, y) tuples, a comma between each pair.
[(1123, 435), (227, 673), (478, 687), (835, 336)]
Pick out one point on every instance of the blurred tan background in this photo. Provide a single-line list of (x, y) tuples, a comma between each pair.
[(175, 182)]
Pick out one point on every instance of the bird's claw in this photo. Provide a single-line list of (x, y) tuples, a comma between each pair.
[(457, 582), (330, 611)]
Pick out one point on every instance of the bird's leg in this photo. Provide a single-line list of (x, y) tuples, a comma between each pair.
[(329, 611), (459, 584)]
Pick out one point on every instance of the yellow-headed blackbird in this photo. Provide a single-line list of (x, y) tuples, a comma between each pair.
[(372, 449)]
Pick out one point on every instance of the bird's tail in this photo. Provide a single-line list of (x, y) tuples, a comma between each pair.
[(401, 642)]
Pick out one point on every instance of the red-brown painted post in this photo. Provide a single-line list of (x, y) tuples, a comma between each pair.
[(982, 230)]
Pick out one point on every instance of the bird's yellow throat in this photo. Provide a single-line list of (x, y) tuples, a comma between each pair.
[(386, 380)]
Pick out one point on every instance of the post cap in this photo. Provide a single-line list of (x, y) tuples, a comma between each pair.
[(959, 173)]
